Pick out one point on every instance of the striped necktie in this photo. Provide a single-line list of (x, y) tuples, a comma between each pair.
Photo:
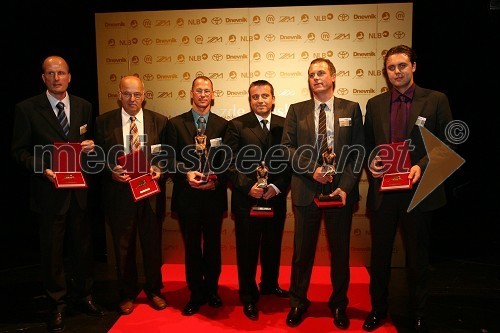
[(63, 120), (134, 135), (322, 129)]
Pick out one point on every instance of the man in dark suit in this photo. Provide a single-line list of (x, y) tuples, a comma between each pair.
[(261, 132), (199, 202), (421, 107), (36, 124), (302, 135), (127, 217)]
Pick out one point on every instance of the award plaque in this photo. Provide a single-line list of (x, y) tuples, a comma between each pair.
[(143, 187), (261, 209), (66, 165), (396, 158), (324, 200)]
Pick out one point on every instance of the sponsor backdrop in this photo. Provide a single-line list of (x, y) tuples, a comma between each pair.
[(235, 46)]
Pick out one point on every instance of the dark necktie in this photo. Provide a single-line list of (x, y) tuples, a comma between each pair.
[(63, 120), (202, 124), (134, 135), (322, 129), (264, 127), (401, 119)]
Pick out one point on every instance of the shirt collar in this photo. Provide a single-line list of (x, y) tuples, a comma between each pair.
[(329, 104), (408, 93), (196, 116), (139, 117)]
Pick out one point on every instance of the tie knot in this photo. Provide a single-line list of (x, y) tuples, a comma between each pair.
[(201, 120), (403, 98), (132, 118), (264, 122), (60, 106), (322, 107)]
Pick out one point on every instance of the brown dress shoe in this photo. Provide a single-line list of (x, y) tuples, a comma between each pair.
[(158, 302), (126, 307)]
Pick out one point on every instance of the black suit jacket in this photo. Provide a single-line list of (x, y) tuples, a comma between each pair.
[(181, 131), (299, 135), (243, 132), (35, 123), (117, 196), (429, 104)]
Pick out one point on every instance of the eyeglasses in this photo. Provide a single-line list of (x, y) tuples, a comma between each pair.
[(129, 95), (58, 73), (402, 66), (201, 91)]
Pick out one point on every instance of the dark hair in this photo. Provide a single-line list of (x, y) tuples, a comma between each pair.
[(260, 83), (331, 67), (401, 49)]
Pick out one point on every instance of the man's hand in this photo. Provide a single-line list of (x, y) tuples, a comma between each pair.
[(320, 176), (87, 146)]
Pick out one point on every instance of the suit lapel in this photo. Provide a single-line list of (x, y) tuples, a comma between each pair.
[(310, 129), (75, 120), (417, 105), (256, 127), (47, 112)]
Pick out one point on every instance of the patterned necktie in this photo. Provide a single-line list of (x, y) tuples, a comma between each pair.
[(63, 120), (322, 129), (401, 122), (202, 124), (134, 135), (264, 126)]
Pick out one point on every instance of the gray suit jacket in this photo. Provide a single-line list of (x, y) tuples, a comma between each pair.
[(431, 105), (299, 135)]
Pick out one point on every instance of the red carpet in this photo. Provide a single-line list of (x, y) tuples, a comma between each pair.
[(230, 317)]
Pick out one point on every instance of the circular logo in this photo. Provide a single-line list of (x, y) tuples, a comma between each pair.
[(148, 77), (343, 17), (342, 91), (218, 57), (218, 93), (146, 23), (147, 41), (216, 21), (304, 18), (269, 38), (134, 24), (256, 19)]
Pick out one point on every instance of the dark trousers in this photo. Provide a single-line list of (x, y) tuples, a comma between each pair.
[(201, 224), (338, 231), (415, 234), (52, 234), (125, 228), (254, 236)]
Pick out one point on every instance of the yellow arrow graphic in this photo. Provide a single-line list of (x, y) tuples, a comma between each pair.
[(443, 162)]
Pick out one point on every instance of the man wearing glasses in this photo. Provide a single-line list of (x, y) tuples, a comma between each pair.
[(123, 131)]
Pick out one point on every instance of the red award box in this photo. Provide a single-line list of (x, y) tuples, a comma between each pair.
[(396, 158), (70, 180), (66, 164), (134, 163), (143, 187), (257, 211), (327, 204)]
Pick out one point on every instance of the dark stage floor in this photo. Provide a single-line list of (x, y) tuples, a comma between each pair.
[(465, 297)]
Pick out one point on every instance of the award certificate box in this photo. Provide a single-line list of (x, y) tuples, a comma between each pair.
[(70, 180), (395, 156), (143, 187), (66, 164), (135, 163), (328, 203), (258, 211)]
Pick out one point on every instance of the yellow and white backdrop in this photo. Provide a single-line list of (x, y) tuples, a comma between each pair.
[(235, 46)]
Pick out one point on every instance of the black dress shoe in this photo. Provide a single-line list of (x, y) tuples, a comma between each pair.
[(91, 308), (214, 301), (251, 311), (340, 319), (374, 320), (294, 317), (420, 325), (56, 322), (276, 291), (190, 309)]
